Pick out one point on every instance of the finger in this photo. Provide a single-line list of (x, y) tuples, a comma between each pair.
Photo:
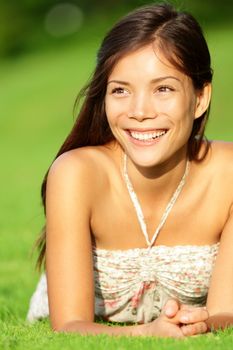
[(186, 307), (191, 307), (171, 308), (193, 315), (194, 329)]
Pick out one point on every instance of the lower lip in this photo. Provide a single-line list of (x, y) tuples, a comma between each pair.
[(146, 142)]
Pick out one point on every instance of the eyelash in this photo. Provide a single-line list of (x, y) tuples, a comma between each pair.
[(165, 88), (118, 90), (160, 89)]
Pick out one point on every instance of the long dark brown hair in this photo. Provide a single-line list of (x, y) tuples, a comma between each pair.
[(178, 36)]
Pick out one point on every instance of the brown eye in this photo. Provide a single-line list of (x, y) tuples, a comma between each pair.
[(165, 88), (118, 90)]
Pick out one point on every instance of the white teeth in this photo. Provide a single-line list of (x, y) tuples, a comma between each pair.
[(143, 136)]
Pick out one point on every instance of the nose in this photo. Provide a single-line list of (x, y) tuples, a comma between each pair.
[(141, 108)]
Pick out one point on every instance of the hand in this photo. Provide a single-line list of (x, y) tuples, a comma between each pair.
[(190, 319), (177, 321), (161, 327)]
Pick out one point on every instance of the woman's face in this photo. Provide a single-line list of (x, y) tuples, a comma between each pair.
[(150, 107)]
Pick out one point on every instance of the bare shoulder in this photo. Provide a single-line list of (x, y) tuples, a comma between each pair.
[(222, 148), (85, 165), (221, 154), (79, 159)]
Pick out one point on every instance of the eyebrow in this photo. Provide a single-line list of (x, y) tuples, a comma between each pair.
[(156, 80)]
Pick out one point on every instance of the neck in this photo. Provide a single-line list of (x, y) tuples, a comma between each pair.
[(160, 179)]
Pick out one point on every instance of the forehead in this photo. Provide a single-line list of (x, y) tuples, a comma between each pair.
[(144, 62)]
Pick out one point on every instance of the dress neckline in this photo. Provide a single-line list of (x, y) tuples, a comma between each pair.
[(156, 248), (138, 208)]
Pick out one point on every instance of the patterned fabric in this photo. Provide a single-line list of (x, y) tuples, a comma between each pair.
[(133, 285)]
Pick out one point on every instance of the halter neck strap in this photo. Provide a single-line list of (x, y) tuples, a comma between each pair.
[(138, 208)]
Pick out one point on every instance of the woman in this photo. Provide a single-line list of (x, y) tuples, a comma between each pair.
[(138, 204)]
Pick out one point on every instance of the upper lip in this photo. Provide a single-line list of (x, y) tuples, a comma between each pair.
[(145, 129)]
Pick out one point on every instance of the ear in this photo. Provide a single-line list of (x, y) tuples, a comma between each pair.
[(203, 100)]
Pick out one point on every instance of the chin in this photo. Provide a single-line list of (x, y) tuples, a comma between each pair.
[(145, 159)]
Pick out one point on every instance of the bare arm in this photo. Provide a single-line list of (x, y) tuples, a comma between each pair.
[(68, 251), (220, 297)]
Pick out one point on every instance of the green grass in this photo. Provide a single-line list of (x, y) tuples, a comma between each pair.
[(36, 99), (20, 336)]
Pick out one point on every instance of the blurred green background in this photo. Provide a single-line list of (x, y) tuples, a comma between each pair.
[(47, 52)]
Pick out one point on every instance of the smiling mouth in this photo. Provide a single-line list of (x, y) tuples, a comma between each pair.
[(147, 136)]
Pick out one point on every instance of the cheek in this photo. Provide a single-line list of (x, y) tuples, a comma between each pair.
[(173, 105), (114, 110), (181, 110), (108, 110), (111, 116), (169, 106)]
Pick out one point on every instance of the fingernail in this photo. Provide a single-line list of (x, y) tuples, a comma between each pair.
[(184, 319), (168, 312)]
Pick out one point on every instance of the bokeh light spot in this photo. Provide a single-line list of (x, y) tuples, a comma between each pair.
[(63, 19)]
